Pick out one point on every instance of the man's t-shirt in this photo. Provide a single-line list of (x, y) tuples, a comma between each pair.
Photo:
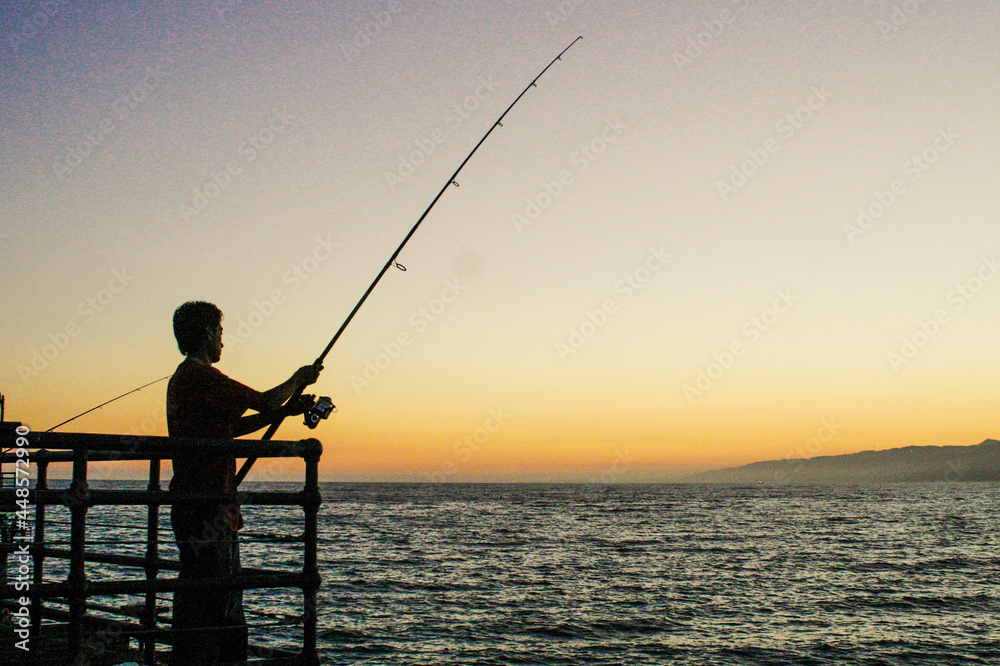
[(202, 402)]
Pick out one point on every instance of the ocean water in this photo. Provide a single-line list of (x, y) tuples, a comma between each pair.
[(648, 574)]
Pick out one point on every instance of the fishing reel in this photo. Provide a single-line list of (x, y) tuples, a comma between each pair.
[(316, 409)]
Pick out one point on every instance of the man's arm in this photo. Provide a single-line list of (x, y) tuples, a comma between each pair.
[(254, 422), (270, 405), (270, 401)]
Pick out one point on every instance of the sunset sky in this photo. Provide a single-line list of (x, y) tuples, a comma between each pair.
[(717, 232)]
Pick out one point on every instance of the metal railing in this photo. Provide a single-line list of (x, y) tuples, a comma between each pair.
[(73, 591)]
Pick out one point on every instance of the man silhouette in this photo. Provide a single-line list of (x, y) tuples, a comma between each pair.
[(204, 403)]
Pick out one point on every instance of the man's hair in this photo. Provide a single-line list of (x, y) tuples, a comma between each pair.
[(191, 323)]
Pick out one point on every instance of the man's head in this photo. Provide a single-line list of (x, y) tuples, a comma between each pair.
[(198, 329)]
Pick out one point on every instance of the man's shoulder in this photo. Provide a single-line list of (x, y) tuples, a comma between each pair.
[(193, 376)]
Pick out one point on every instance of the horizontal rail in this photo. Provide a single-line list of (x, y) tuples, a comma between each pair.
[(62, 441), (137, 561), (111, 587), (93, 497), (46, 456)]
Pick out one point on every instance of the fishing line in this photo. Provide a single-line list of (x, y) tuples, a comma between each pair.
[(109, 402)]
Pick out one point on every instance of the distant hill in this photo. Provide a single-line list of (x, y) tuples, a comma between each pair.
[(908, 464)]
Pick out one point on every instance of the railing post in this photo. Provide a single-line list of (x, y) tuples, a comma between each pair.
[(38, 556), (311, 503), (78, 500), (152, 562)]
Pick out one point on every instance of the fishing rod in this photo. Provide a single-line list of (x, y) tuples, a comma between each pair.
[(108, 402), (392, 259)]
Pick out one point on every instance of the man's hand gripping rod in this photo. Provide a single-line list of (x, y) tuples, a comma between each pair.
[(392, 260)]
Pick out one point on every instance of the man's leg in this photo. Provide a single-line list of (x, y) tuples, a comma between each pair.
[(234, 638), (203, 550)]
